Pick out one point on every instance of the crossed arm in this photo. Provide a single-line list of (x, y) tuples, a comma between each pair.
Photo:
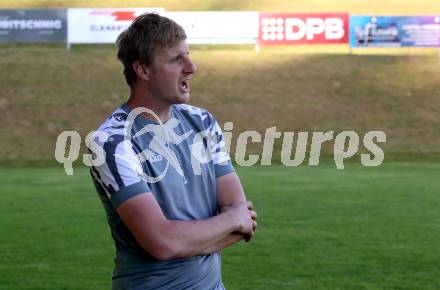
[(169, 239), (230, 193)]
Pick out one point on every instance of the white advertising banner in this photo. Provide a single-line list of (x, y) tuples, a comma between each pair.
[(218, 27), (101, 25)]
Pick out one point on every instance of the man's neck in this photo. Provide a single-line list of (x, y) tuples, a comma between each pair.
[(161, 109)]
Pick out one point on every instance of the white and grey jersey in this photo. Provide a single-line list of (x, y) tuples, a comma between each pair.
[(178, 162)]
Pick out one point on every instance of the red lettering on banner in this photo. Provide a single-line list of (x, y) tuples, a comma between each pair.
[(124, 15), (284, 28)]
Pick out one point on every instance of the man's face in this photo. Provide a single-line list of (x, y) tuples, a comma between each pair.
[(171, 71)]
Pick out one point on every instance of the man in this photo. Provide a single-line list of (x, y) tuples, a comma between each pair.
[(171, 196)]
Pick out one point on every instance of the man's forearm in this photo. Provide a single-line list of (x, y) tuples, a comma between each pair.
[(169, 239), (229, 190), (190, 238), (224, 243)]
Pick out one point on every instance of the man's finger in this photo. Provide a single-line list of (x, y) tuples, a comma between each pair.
[(250, 205), (249, 237), (253, 214)]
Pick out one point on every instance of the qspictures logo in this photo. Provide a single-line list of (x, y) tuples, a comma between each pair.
[(204, 145)]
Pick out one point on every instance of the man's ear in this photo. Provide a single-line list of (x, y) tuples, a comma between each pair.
[(142, 71)]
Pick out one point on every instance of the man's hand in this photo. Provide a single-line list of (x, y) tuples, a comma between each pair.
[(245, 217)]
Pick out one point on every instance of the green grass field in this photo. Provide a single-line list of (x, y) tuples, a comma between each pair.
[(319, 228)]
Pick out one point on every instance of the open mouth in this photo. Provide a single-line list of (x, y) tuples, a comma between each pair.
[(184, 85)]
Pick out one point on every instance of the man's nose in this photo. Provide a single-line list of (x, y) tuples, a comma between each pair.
[(190, 67)]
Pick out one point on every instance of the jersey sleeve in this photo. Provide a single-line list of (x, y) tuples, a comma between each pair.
[(121, 174), (220, 154)]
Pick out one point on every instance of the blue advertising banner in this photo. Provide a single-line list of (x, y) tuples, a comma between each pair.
[(394, 31)]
